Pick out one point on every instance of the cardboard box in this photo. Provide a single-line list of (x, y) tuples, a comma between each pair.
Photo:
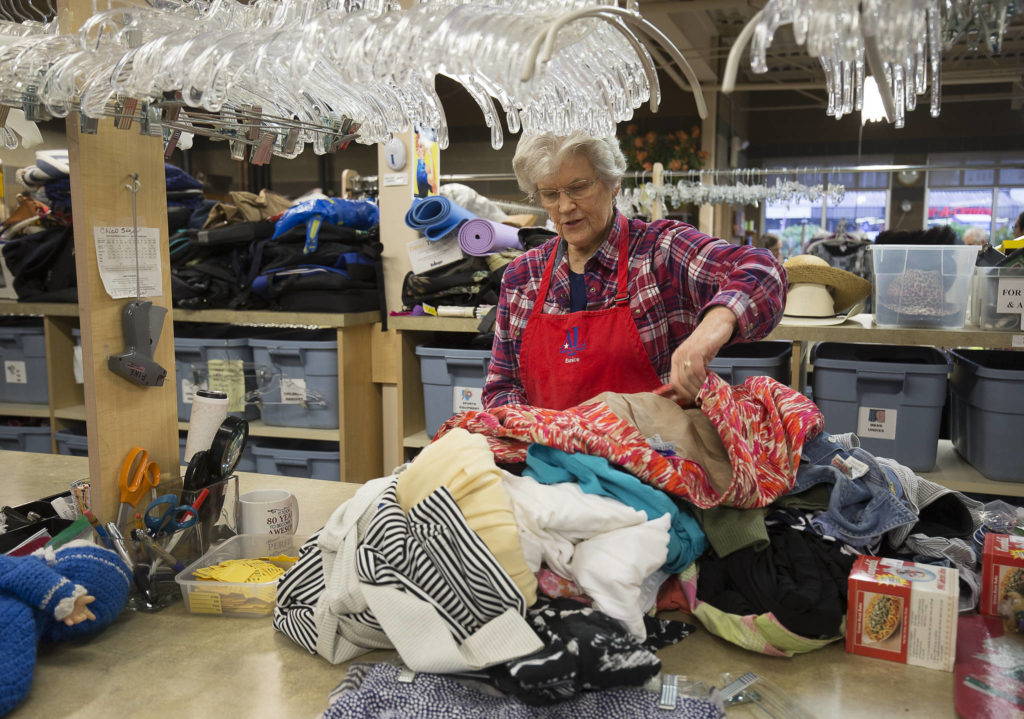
[(903, 612), (1002, 570)]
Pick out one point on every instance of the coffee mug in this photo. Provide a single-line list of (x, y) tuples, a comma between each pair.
[(268, 511)]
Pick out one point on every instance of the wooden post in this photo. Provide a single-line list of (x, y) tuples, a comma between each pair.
[(708, 141), (119, 414)]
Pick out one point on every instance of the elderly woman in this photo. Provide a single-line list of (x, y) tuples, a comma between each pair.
[(612, 304)]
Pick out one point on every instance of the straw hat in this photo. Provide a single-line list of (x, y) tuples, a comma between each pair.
[(847, 288)]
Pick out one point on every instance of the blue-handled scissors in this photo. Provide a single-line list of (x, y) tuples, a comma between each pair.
[(172, 519)]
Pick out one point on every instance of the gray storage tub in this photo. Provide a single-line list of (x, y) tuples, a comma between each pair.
[(987, 411), (72, 441), (452, 382), (305, 365), (736, 363), (198, 351), (25, 439), (23, 360), (298, 458), (890, 396)]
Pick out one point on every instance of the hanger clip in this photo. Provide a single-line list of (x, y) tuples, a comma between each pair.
[(261, 152), (237, 148), (171, 138), (291, 140), (31, 105), (150, 122), (88, 125), (669, 691), (255, 118), (124, 112)]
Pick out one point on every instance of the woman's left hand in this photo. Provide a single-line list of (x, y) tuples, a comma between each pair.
[(691, 358)]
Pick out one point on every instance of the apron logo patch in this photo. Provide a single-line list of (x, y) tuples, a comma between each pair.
[(572, 345)]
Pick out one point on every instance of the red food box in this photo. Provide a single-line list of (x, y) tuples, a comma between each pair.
[(903, 612), (1002, 571)]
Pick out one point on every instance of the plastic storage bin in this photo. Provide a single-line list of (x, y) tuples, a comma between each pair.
[(987, 411), (890, 396), (237, 599), (922, 286), (289, 458), (190, 352), (304, 390), (72, 441), (23, 355), (738, 362), (995, 302), (25, 439), (453, 381)]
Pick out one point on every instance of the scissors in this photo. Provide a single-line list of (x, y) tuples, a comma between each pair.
[(172, 519), (138, 474)]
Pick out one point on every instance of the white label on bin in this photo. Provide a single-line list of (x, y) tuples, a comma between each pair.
[(1018, 340), (1010, 299), (465, 399), (189, 389), (877, 422), (293, 390), (14, 372)]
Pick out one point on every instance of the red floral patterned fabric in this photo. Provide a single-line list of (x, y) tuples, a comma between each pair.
[(763, 424), (555, 585)]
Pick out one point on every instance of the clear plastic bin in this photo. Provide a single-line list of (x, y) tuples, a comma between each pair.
[(922, 285), (237, 599), (986, 285)]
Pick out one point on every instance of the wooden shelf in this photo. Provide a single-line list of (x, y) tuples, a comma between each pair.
[(237, 317), (24, 409), (417, 440), (861, 329), (258, 429), (427, 323), (39, 309), (76, 412), (278, 319), (953, 471)]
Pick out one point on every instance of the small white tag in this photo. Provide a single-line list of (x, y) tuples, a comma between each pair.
[(76, 364), (1018, 340), (14, 372), (406, 675), (65, 508), (396, 179), (188, 390), (293, 390), (425, 255), (850, 466), (465, 399), (877, 422)]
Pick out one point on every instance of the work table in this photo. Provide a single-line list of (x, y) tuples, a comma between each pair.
[(174, 664)]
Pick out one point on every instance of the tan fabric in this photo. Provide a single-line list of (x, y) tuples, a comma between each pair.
[(464, 464), (246, 207), (693, 434)]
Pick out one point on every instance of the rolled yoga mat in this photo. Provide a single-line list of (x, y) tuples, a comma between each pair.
[(436, 216), (484, 237)]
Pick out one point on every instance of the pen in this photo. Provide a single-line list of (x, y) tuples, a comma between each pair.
[(104, 537)]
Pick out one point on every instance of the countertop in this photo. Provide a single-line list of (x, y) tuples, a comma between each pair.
[(174, 664)]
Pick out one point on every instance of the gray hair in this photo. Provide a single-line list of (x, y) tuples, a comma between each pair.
[(540, 156)]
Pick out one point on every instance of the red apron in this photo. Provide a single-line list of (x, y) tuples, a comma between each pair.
[(569, 358)]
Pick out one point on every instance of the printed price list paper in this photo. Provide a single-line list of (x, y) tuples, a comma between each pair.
[(116, 259)]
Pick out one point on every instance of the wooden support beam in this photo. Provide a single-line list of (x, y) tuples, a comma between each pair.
[(119, 414)]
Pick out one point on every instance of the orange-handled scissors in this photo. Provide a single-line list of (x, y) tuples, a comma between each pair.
[(138, 474)]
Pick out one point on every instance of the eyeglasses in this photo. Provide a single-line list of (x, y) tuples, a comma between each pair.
[(575, 192)]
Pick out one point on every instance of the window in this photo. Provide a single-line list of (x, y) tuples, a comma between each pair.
[(863, 209), (987, 196)]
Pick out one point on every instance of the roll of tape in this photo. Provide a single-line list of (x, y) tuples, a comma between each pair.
[(209, 410)]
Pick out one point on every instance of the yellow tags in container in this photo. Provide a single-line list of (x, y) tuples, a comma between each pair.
[(239, 571), (204, 603)]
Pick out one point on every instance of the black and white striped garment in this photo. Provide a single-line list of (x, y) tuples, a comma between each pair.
[(434, 555), (297, 593)]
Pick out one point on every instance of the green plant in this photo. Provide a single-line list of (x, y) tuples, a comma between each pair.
[(678, 150)]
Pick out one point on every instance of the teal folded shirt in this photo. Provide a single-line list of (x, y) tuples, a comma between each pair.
[(596, 475)]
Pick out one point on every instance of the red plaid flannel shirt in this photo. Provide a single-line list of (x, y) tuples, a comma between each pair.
[(675, 274)]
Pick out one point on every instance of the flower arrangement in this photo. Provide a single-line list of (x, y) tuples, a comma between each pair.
[(679, 150)]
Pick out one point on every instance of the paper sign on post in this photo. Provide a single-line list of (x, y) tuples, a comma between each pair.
[(116, 260), (425, 255)]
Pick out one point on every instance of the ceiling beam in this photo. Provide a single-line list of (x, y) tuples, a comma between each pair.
[(993, 77), (680, 35)]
